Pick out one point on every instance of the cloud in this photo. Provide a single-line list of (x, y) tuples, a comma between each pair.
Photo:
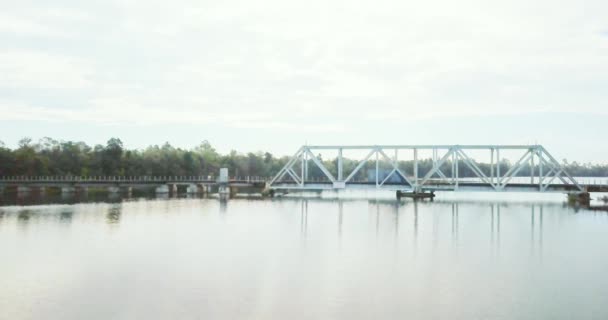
[(26, 69), (10, 25), (310, 67), (122, 112)]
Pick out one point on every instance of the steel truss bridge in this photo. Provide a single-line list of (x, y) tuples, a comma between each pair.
[(545, 173)]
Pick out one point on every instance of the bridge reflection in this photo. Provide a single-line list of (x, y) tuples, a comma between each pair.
[(114, 214), (437, 223)]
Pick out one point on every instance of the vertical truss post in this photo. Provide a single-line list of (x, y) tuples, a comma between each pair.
[(453, 168), (540, 169), (532, 166), (415, 169), (302, 169), (497, 166), (457, 169), (434, 158), (305, 166), (396, 162), (340, 168), (377, 168), (437, 166), (492, 165)]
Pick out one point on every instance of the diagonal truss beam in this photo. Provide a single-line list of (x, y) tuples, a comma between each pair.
[(294, 176), (545, 152), (360, 165), (320, 165), (287, 166), (436, 168), (395, 169), (514, 170), (471, 164)]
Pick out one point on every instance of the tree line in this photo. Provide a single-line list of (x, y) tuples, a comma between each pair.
[(50, 157)]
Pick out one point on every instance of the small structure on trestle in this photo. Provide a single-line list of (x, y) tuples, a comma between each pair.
[(222, 182)]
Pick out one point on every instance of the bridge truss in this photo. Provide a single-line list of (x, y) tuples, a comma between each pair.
[(545, 173)]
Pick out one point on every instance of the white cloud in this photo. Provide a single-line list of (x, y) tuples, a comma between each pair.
[(26, 69), (24, 27), (109, 112), (313, 66)]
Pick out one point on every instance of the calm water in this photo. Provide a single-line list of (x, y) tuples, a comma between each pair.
[(454, 258)]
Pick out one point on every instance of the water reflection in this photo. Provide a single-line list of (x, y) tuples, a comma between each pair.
[(24, 215), (377, 219), (340, 213), (115, 196), (396, 214), (455, 223), (498, 226), (532, 230), (304, 217), (66, 215), (540, 230), (415, 226), (536, 231), (495, 226), (114, 214), (223, 198), (363, 246), (442, 218)]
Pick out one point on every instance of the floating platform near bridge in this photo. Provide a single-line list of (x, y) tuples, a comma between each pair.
[(416, 195)]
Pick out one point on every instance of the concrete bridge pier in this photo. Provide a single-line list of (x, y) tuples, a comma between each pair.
[(82, 190), (68, 190), (173, 189), (21, 190), (162, 189), (267, 191), (233, 191), (42, 190), (224, 189), (192, 189), (581, 198), (113, 189)]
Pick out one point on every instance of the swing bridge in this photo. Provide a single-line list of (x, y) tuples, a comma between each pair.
[(543, 172)]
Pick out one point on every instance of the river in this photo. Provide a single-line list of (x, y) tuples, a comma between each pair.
[(458, 257)]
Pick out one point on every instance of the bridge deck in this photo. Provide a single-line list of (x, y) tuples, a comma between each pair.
[(462, 186), (126, 181)]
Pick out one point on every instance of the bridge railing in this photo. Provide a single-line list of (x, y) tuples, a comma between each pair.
[(519, 179)]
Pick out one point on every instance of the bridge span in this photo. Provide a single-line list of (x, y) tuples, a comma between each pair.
[(544, 172), (115, 184)]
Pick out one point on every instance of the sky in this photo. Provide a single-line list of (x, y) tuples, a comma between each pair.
[(274, 75)]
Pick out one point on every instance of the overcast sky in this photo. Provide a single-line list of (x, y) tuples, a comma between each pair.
[(272, 75)]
